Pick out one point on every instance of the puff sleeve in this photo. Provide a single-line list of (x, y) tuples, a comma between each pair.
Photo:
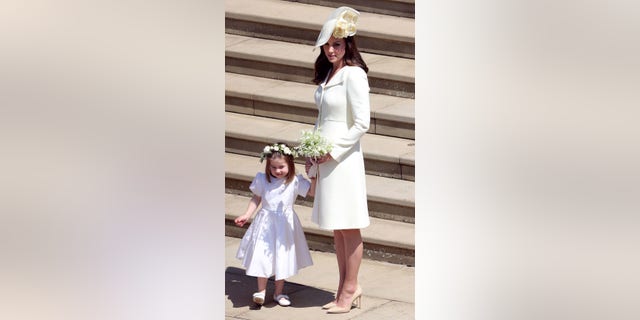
[(257, 185)]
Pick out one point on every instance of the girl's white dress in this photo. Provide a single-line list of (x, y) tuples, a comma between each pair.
[(275, 244), (340, 200)]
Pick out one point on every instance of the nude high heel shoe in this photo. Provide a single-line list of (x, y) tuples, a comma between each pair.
[(357, 296), (333, 304)]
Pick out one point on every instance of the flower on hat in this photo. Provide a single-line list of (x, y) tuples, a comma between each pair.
[(346, 24), (340, 24)]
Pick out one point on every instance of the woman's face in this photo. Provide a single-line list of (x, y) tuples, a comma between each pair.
[(334, 49)]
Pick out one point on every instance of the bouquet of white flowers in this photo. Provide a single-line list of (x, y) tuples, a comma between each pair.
[(313, 145)]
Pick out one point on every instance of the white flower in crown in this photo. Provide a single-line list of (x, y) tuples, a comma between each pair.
[(281, 148), (346, 25)]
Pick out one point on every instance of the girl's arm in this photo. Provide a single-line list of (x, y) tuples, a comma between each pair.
[(251, 208), (312, 189)]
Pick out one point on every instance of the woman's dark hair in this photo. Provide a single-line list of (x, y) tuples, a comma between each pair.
[(290, 164), (352, 57)]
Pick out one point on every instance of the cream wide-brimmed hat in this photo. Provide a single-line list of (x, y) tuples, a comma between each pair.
[(341, 24)]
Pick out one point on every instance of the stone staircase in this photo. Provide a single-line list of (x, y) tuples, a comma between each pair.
[(269, 97)]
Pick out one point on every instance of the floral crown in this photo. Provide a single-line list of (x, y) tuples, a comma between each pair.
[(277, 147)]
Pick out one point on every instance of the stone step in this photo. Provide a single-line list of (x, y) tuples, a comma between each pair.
[(384, 156), (388, 198), (384, 240), (301, 23), (400, 8), (294, 62), (285, 100)]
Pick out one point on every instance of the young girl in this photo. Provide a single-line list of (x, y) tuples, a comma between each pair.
[(275, 244)]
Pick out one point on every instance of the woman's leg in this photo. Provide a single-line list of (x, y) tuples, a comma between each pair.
[(339, 243), (353, 250)]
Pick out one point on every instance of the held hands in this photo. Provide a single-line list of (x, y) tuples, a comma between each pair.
[(311, 168), (307, 165), (311, 164)]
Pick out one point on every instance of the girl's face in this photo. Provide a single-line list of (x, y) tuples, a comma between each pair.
[(278, 167), (334, 50)]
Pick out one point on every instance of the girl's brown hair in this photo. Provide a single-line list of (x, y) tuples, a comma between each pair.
[(352, 57), (290, 164)]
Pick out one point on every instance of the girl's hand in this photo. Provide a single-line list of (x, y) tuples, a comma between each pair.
[(241, 220)]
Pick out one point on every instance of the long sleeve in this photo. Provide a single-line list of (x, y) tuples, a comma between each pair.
[(357, 88)]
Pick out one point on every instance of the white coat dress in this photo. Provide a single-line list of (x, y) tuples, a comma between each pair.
[(275, 243), (343, 118)]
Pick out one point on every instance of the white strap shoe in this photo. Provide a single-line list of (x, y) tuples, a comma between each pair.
[(258, 297), (282, 299)]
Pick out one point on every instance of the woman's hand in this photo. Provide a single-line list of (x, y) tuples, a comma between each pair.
[(324, 158)]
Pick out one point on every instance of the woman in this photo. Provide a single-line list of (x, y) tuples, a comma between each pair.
[(342, 98)]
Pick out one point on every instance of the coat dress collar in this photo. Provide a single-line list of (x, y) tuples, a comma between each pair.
[(336, 79)]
